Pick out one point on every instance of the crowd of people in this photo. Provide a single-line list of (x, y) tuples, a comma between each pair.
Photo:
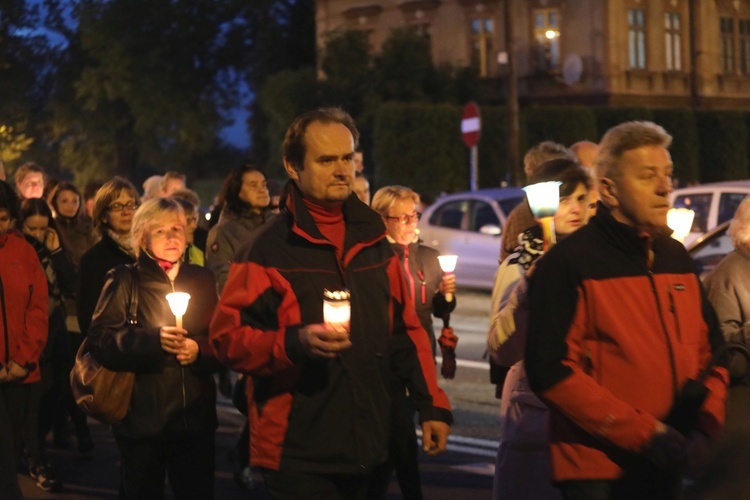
[(594, 329)]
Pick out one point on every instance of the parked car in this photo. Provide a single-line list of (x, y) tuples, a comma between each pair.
[(469, 224), (710, 248), (713, 204)]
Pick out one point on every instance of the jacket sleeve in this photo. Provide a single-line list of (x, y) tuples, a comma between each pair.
[(255, 327), (503, 306), (115, 343), (724, 296), (411, 353), (88, 288), (554, 348), (219, 254), (34, 339)]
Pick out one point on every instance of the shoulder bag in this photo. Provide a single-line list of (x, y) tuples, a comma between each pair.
[(99, 392)]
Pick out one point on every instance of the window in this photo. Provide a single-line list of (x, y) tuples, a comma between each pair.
[(450, 215), (672, 41), (637, 38), (698, 203), (482, 29), (483, 214), (735, 45), (728, 204), (547, 38)]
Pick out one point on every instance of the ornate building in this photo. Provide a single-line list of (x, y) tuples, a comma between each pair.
[(621, 52)]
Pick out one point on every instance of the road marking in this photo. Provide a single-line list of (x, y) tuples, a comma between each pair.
[(481, 365), (478, 468)]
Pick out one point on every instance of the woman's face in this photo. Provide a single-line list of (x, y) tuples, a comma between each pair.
[(119, 215), (36, 226), (572, 214), (191, 216), (165, 238), (254, 190), (402, 210), (6, 223), (68, 203)]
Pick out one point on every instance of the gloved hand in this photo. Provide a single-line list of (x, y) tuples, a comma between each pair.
[(667, 447), (447, 342)]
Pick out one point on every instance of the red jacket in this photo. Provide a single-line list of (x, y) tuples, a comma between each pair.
[(618, 323), (23, 305)]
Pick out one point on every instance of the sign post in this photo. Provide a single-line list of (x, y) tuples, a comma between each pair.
[(470, 127)]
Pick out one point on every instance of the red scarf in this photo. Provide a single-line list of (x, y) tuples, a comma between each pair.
[(330, 223)]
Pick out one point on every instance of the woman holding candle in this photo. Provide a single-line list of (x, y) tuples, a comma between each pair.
[(171, 422), (522, 468), (428, 286)]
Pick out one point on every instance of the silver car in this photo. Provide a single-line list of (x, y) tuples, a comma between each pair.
[(469, 224), (713, 204)]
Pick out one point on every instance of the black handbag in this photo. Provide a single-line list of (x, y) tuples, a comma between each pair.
[(101, 393)]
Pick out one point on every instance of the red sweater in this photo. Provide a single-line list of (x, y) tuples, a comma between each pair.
[(23, 305)]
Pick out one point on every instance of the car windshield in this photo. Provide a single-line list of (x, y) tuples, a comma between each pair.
[(699, 203), (508, 204)]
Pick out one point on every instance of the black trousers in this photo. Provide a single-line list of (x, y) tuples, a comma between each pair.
[(187, 460), (13, 408), (294, 486)]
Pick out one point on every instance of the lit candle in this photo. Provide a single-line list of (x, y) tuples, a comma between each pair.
[(178, 302), (336, 307), (544, 200), (448, 265)]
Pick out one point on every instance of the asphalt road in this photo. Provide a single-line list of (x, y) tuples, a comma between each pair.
[(464, 471)]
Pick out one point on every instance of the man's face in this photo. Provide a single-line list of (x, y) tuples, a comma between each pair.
[(32, 185), (639, 193), (171, 186), (328, 172)]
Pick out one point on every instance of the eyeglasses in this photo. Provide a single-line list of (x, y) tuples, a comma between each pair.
[(406, 218), (119, 207)]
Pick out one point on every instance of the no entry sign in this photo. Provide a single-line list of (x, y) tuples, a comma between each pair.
[(470, 125)]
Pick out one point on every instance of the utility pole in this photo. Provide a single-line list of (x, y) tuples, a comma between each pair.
[(693, 28), (514, 157)]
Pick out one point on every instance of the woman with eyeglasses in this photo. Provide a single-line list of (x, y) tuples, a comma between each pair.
[(114, 206), (169, 430), (428, 286)]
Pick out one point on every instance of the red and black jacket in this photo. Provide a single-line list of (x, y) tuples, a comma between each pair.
[(322, 416), (619, 322)]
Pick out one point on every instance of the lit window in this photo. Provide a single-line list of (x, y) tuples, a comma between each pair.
[(482, 29), (672, 41), (547, 38), (637, 38)]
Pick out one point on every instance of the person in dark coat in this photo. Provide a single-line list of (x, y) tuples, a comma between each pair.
[(428, 286), (114, 206), (170, 426)]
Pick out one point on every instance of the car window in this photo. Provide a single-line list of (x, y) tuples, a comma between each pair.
[(451, 214), (509, 204), (709, 253), (728, 204), (699, 203), (482, 214)]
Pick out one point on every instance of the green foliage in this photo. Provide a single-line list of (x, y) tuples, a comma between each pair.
[(493, 147), (563, 124), (405, 68), (418, 145), (608, 117), (680, 123), (723, 139)]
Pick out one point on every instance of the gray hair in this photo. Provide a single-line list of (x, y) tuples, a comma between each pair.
[(543, 152), (625, 137)]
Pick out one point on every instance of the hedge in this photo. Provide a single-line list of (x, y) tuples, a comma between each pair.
[(680, 124), (723, 140)]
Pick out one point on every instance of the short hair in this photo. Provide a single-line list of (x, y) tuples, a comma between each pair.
[(151, 186), (107, 194), (294, 141), (739, 228), (386, 196), (171, 175), (569, 173), (230, 191), (542, 152), (9, 200), (150, 212), (26, 169), (34, 206), (625, 137), (59, 188), (189, 196)]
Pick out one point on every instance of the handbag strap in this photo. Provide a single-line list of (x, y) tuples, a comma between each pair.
[(133, 308)]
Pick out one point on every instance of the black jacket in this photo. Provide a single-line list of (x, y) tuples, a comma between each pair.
[(167, 398), (95, 263)]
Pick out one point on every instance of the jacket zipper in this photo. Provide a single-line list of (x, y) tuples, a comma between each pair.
[(5, 322), (666, 333), (182, 377), (673, 310)]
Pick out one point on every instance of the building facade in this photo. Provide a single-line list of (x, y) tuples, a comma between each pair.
[(663, 53)]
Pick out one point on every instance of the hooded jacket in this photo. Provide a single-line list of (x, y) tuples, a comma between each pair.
[(168, 398), (618, 323), (23, 305), (322, 416)]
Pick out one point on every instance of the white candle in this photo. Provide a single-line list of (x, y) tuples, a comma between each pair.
[(336, 307), (178, 302)]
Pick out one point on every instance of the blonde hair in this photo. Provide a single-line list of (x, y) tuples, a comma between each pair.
[(625, 137), (148, 214), (739, 228), (386, 196)]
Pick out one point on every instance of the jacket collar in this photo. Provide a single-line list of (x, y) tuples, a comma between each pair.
[(627, 238)]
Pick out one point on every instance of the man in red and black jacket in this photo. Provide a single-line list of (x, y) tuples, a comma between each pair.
[(618, 324), (318, 393)]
